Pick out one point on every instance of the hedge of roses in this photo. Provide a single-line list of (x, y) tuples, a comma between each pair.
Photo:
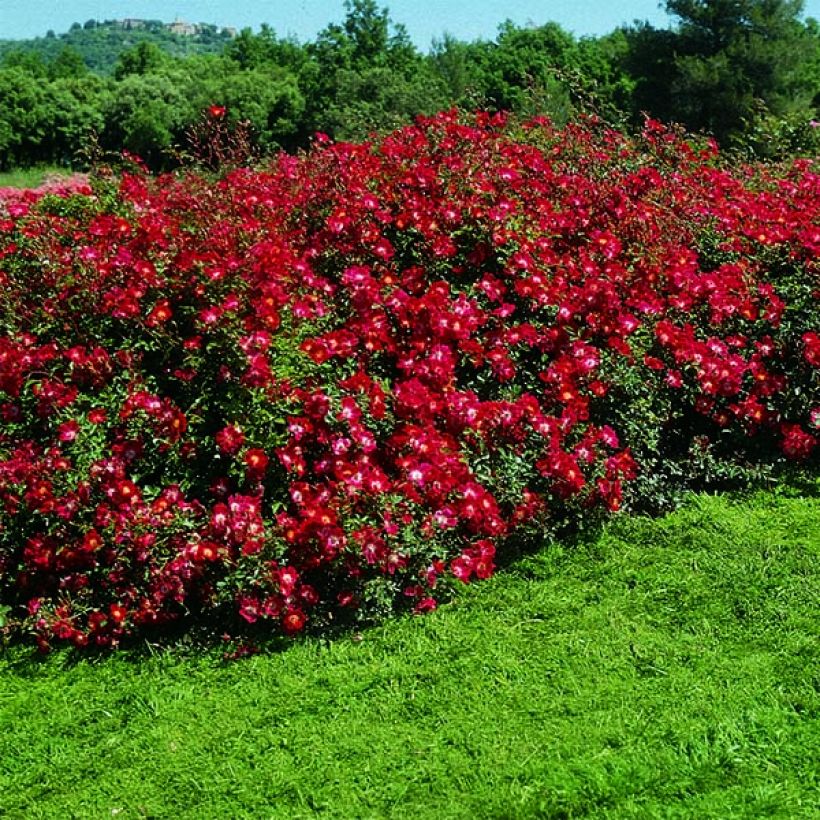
[(312, 393)]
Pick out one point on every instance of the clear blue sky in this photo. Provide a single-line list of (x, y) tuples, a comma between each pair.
[(425, 19)]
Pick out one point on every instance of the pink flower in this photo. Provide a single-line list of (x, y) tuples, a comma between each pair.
[(249, 608), (229, 439), (68, 430)]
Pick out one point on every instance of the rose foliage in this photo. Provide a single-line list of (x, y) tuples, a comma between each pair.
[(316, 392)]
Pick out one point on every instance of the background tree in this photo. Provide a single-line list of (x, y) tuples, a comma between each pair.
[(76, 106), (68, 63), (456, 63), (28, 62), (24, 119), (144, 58), (525, 70), (725, 60), (147, 115), (602, 74), (365, 75), (269, 100)]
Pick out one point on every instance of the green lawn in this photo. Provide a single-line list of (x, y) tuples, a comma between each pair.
[(31, 177), (666, 668)]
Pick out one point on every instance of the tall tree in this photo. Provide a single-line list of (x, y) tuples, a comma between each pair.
[(68, 63), (365, 75), (733, 56), (368, 30), (525, 70), (143, 58)]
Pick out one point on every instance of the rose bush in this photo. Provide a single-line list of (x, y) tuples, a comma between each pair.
[(313, 392)]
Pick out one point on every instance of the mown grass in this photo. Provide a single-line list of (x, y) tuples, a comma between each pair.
[(31, 177), (664, 668)]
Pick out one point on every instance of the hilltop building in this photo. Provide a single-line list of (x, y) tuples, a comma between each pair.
[(183, 28), (180, 27)]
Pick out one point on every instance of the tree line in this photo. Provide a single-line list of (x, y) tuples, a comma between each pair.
[(744, 71)]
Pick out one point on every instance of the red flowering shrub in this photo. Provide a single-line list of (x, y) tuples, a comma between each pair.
[(315, 391)]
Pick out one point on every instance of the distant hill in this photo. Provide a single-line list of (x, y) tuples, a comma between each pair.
[(100, 43)]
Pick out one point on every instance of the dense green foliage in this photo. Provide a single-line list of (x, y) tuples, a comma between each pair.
[(663, 669), (747, 72)]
